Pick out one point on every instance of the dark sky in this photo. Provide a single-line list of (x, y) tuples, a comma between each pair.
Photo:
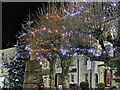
[(13, 15)]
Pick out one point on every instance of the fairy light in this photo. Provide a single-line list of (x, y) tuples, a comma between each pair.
[(52, 15), (33, 33), (114, 4), (56, 31), (49, 31), (44, 28), (41, 50), (63, 34), (104, 17)]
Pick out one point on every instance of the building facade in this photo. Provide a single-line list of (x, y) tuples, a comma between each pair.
[(83, 69)]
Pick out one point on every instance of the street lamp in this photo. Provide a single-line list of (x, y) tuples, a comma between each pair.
[(89, 65), (89, 68), (78, 72)]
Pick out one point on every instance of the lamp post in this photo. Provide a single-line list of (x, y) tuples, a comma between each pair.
[(89, 65), (78, 73)]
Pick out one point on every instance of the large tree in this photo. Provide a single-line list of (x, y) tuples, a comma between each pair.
[(45, 37), (89, 20), (61, 32), (48, 39), (16, 66)]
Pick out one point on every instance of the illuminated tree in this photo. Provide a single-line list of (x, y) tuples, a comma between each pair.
[(45, 37), (16, 66), (64, 31), (48, 39), (86, 22)]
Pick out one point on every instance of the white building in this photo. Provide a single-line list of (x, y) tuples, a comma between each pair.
[(82, 70), (78, 70)]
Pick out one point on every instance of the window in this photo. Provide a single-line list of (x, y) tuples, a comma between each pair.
[(86, 77), (96, 78), (108, 78), (85, 62), (73, 70), (72, 78), (107, 81)]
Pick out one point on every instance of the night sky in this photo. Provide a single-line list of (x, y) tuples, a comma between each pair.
[(13, 15)]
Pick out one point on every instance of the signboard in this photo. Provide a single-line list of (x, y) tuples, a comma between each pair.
[(88, 64)]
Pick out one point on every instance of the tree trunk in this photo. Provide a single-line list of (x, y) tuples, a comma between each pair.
[(52, 81), (32, 75), (33, 56), (65, 78), (65, 75), (65, 82)]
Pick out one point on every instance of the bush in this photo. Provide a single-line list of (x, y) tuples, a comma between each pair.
[(100, 86), (73, 86), (113, 88), (84, 85)]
